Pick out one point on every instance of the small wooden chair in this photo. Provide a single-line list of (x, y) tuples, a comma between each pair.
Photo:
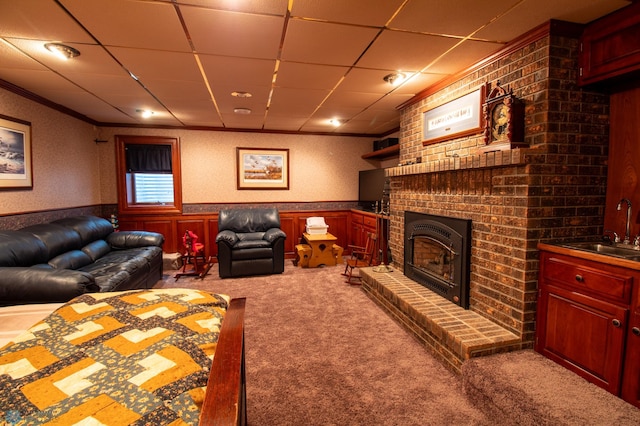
[(360, 257), (193, 255)]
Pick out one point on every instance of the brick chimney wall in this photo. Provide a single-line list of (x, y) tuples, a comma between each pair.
[(552, 191)]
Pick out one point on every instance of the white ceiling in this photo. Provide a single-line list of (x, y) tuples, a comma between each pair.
[(304, 61)]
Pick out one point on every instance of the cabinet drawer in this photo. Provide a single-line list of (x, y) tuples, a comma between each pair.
[(370, 222), (598, 282)]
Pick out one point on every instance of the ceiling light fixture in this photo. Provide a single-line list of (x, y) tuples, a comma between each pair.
[(395, 79), (145, 113), (62, 51), (336, 122), (243, 111), (241, 94)]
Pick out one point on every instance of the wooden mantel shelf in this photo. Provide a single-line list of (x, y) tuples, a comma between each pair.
[(389, 151), (511, 157)]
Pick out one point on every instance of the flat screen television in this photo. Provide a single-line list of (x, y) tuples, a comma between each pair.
[(370, 188)]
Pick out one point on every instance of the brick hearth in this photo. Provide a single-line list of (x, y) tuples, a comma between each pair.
[(449, 332)]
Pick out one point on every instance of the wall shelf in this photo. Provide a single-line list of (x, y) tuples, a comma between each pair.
[(390, 151)]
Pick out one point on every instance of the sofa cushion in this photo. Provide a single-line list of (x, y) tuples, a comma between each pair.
[(96, 249), (58, 239), (20, 248), (74, 259), (90, 228)]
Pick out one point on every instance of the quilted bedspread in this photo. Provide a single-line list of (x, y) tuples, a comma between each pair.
[(137, 357)]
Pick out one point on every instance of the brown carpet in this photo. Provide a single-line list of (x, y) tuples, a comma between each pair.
[(320, 352)]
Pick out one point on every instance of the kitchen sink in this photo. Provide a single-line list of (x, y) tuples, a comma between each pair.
[(609, 249)]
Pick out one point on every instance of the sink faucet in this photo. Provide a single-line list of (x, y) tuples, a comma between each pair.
[(627, 234)]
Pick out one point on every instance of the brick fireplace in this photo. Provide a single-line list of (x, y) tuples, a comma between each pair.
[(552, 191)]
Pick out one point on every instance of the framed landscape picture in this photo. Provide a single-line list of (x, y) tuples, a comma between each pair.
[(15, 153), (260, 168)]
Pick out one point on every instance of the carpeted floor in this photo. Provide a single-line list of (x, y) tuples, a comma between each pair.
[(320, 352)]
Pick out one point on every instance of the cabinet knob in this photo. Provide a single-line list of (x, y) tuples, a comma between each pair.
[(636, 331), (579, 278), (616, 323)]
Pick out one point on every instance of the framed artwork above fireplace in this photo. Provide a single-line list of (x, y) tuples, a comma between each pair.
[(457, 118)]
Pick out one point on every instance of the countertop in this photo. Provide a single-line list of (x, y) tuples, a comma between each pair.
[(596, 257)]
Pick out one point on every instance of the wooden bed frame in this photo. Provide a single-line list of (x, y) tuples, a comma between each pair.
[(225, 399)]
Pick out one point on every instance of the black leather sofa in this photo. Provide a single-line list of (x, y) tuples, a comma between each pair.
[(250, 242), (57, 261)]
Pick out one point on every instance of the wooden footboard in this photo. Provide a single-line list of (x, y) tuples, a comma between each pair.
[(225, 400)]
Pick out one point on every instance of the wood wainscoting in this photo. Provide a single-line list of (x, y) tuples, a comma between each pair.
[(205, 226)]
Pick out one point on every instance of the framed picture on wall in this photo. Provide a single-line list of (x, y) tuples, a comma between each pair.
[(262, 168), (15, 153), (457, 118)]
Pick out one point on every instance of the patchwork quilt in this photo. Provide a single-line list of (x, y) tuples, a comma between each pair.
[(138, 357)]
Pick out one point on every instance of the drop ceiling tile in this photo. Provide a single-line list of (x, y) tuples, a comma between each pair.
[(296, 102), (37, 81), (169, 89), (157, 64), (239, 72), (360, 12), (12, 57), (298, 76), (257, 102), (465, 54), (239, 121), (145, 24), (345, 99), (405, 51), (529, 14), (377, 116), (269, 7), (372, 81), (392, 101), (92, 60), (325, 43), (459, 18), (107, 85), (417, 82), (218, 32), (284, 123), (39, 19), (194, 113)]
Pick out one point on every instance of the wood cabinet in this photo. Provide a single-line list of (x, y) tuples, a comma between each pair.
[(205, 226), (587, 311), (363, 223), (610, 46)]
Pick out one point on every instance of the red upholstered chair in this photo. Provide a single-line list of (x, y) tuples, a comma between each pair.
[(194, 256)]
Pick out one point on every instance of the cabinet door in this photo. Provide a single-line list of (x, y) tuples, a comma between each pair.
[(584, 334), (631, 377)]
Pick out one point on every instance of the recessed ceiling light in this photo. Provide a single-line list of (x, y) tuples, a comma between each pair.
[(241, 94), (395, 79), (62, 51), (145, 113), (243, 111), (336, 122)]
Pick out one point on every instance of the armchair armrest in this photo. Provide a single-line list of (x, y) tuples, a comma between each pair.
[(20, 285), (227, 236), (273, 234), (133, 239)]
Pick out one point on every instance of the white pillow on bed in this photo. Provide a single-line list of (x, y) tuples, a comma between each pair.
[(14, 320)]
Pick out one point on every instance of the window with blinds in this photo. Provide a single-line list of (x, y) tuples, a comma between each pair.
[(148, 172), (152, 188)]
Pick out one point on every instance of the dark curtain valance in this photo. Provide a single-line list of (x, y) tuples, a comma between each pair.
[(148, 158)]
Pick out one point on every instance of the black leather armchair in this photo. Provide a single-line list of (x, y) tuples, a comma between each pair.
[(250, 242)]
